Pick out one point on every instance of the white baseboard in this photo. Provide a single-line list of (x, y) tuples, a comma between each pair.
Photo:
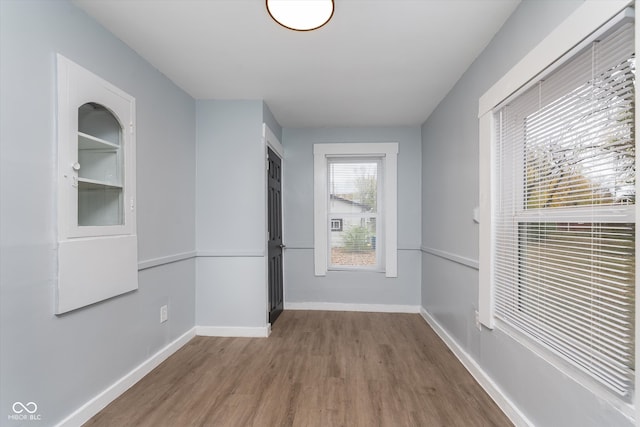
[(372, 308), (233, 331), (99, 402), (508, 407)]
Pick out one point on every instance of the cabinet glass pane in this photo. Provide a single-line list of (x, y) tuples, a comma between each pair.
[(99, 204), (95, 120), (100, 181)]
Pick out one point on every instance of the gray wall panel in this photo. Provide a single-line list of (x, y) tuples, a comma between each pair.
[(349, 287), (231, 213), (449, 193), (230, 191), (62, 362)]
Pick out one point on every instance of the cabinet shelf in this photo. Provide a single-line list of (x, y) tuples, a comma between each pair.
[(90, 142), (94, 184)]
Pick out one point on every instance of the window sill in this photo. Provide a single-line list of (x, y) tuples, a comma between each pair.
[(357, 269)]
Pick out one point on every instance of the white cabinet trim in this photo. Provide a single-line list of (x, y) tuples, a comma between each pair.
[(95, 262)]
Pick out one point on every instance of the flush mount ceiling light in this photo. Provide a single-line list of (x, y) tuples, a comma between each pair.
[(301, 15)]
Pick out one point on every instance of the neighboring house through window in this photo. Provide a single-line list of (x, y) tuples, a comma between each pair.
[(354, 196)]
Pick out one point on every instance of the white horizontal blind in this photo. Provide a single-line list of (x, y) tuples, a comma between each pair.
[(565, 227), (354, 204)]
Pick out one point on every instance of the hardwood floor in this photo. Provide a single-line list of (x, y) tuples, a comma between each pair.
[(317, 368)]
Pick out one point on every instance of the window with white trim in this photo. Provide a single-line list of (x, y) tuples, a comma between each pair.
[(562, 265), (355, 207)]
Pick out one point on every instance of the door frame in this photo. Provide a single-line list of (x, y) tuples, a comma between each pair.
[(270, 140)]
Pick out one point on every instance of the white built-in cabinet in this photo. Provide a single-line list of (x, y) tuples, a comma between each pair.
[(97, 244)]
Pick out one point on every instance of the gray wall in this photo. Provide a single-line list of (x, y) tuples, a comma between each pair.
[(62, 362), (230, 213), (230, 164), (342, 286), (450, 191)]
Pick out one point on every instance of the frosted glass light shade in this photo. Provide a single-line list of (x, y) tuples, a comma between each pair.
[(301, 15)]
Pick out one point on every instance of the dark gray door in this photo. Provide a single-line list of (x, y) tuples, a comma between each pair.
[(274, 176)]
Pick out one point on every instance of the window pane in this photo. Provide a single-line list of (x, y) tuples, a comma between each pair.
[(353, 187), (576, 289), (355, 246), (580, 148), (353, 204)]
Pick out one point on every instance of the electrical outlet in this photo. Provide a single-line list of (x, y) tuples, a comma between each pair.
[(164, 315)]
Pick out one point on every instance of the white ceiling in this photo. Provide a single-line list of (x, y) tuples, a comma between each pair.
[(376, 63)]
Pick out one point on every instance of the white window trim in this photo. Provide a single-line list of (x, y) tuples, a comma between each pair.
[(569, 35), (389, 153)]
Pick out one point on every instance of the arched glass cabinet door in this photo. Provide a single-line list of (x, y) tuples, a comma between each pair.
[(96, 155), (99, 167)]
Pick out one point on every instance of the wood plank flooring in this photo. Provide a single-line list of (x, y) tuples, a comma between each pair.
[(317, 368)]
